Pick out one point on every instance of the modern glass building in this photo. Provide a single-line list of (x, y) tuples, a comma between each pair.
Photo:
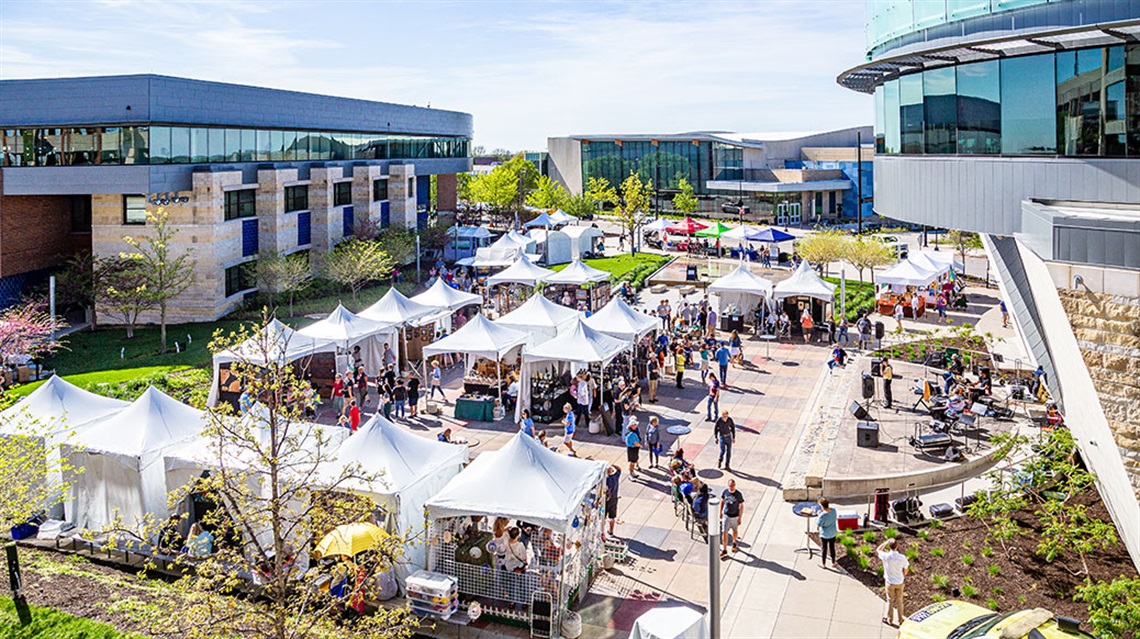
[(813, 174), (1020, 120), (242, 170)]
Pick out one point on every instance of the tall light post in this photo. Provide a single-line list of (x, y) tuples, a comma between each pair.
[(714, 567)]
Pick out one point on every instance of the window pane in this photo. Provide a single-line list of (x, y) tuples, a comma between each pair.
[(261, 146), (134, 209), (233, 145), (1078, 101), (159, 145), (880, 138), (109, 152), (199, 145), (891, 115), (217, 145), (979, 108), (276, 146), (304, 140), (1132, 100), (911, 113), (81, 146), (248, 144), (289, 144), (940, 110), (1028, 121)]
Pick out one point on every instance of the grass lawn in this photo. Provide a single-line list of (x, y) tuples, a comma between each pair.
[(87, 351), (619, 265), (49, 623), (85, 380), (860, 297)]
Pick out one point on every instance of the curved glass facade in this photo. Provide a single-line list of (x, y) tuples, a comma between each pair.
[(1075, 103), (160, 144)]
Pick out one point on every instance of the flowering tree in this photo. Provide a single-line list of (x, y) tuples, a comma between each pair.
[(128, 292), (27, 329)]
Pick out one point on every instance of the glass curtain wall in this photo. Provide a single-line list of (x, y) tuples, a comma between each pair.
[(1074, 103), (664, 163), (78, 146)]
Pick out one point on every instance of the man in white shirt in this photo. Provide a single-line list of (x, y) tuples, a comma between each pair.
[(389, 357), (584, 398), (895, 568)]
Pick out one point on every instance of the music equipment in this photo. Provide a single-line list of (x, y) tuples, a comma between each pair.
[(941, 510), (882, 503), (962, 503), (1019, 392), (933, 440), (868, 386), (953, 454), (867, 435), (858, 411), (907, 509), (880, 331), (939, 426), (876, 367)]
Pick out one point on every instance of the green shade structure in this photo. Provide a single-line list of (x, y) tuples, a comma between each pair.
[(716, 230)]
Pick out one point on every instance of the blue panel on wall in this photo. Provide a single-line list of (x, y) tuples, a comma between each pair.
[(423, 192), (349, 221), (248, 238), (421, 220), (385, 216), (14, 287), (304, 228)]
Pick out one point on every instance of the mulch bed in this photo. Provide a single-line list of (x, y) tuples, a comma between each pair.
[(1024, 580)]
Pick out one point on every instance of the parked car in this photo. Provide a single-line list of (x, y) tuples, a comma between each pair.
[(734, 208), (961, 620)]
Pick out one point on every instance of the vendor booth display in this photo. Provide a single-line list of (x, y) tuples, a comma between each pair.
[(552, 246), (687, 226), (562, 511), (405, 470), (121, 458), (585, 241), (552, 361), (902, 283), (397, 310), (276, 343), (739, 294), (579, 285), (349, 331), (806, 292), (496, 345), (540, 317), (906, 273)]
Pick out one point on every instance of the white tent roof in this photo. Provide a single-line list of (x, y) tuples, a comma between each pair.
[(523, 271), (469, 231), (538, 312), (400, 457), (513, 238), (741, 280), (440, 296), (55, 399), (479, 336), (742, 232), (555, 485), (543, 219), (152, 422), (906, 273), (343, 326), (941, 257), (657, 225), (562, 217), (396, 309), (932, 261), (618, 319), (579, 343), (276, 342), (583, 239), (804, 282), (578, 273)]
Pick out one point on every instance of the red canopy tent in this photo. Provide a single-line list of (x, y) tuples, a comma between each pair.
[(687, 226)]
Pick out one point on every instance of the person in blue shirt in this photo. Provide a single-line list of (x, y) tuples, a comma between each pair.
[(568, 419), (632, 447), (526, 424), (828, 523), (701, 504), (723, 355)]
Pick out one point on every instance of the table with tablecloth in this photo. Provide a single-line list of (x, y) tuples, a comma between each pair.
[(480, 409), (670, 622)]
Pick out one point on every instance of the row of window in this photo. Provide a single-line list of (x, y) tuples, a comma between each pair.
[(78, 146), (239, 204), (663, 163), (1075, 103), (888, 19)]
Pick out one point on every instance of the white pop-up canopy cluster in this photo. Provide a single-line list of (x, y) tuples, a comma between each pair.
[(396, 309), (553, 246), (578, 273), (57, 406), (480, 337), (442, 297), (120, 457), (577, 345), (522, 271), (741, 288), (348, 330), (555, 485), (804, 282), (620, 320), (540, 317)]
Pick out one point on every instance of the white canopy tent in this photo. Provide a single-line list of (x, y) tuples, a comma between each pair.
[(578, 273), (927, 261), (577, 345), (949, 258), (553, 246), (804, 282), (741, 288), (659, 225), (276, 343), (409, 469), (396, 309), (562, 217), (540, 317), (442, 297), (121, 457), (348, 330), (556, 486), (620, 320), (583, 240), (740, 233), (522, 271), (482, 338), (57, 407), (906, 273), (542, 220)]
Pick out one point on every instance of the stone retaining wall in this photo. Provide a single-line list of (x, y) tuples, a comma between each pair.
[(1107, 328)]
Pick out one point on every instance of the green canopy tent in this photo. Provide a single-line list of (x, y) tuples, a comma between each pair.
[(716, 230)]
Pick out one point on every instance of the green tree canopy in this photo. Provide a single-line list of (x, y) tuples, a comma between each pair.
[(548, 194), (685, 201)]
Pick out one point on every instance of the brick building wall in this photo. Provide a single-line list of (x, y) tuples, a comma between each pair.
[(35, 232), (1107, 328)]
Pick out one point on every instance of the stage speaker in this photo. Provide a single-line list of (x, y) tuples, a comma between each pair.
[(868, 386), (876, 367), (880, 331), (867, 435), (859, 412)]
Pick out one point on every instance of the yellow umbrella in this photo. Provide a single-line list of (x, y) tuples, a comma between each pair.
[(351, 539)]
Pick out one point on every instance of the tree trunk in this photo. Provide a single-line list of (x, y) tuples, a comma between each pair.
[(290, 303), (130, 330), (162, 326)]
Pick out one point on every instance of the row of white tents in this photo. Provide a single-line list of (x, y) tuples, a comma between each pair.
[(544, 242), (918, 269)]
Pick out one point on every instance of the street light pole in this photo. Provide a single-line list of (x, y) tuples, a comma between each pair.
[(714, 567), (859, 179)]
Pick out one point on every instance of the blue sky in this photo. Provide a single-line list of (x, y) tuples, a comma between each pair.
[(525, 70)]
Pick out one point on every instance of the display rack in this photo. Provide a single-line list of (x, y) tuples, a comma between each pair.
[(549, 391)]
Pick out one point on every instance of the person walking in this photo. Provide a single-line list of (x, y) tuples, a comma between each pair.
[(653, 372), (898, 316), (400, 398), (568, 422), (723, 356), (361, 386), (712, 406), (828, 524), (725, 430), (413, 395), (864, 326), (436, 381), (844, 327), (653, 440), (338, 395), (1004, 314), (584, 398), (679, 354), (353, 414), (613, 483), (888, 375), (731, 513), (895, 568), (632, 447), (389, 356), (806, 325)]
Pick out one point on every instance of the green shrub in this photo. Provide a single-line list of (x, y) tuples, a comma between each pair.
[(992, 604), (937, 552), (863, 562), (935, 523), (924, 535), (937, 598), (866, 550), (891, 533), (968, 560), (850, 551), (993, 569), (912, 555), (870, 536), (879, 570), (997, 590), (940, 581), (966, 544), (969, 592), (1114, 607), (987, 551)]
